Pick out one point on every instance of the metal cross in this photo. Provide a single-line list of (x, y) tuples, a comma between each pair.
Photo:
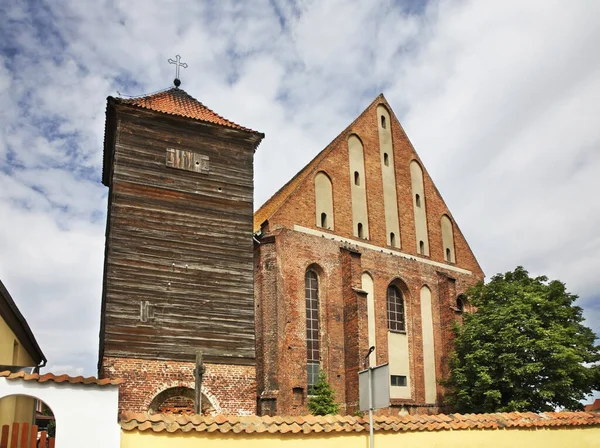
[(178, 63)]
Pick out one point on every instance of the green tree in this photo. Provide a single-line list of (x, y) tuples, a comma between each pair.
[(322, 397), (524, 349)]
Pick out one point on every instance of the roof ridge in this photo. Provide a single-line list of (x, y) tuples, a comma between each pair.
[(63, 378), (182, 104), (307, 424)]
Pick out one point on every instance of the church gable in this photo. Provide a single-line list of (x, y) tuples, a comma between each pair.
[(370, 186)]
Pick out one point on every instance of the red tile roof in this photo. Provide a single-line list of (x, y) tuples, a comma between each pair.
[(59, 379), (337, 423), (178, 102)]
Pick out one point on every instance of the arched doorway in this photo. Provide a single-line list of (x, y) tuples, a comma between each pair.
[(178, 400), (26, 421)]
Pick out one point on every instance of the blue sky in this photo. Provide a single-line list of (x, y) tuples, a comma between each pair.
[(500, 100)]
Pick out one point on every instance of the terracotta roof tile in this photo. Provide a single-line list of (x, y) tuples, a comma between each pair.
[(176, 101), (335, 423), (59, 379)]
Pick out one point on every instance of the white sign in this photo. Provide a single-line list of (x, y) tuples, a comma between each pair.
[(380, 387)]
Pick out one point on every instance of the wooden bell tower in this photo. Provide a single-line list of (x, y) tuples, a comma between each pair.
[(178, 272)]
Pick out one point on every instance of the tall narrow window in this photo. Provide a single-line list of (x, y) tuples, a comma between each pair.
[(360, 230), (421, 247), (383, 125), (15, 354), (417, 200), (395, 309), (311, 293), (356, 178), (448, 255), (386, 159), (324, 220), (392, 239), (460, 304)]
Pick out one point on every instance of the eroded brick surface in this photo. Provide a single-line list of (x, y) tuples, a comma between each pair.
[(231, 389)]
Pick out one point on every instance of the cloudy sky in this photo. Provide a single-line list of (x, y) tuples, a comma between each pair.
[(500, 99)]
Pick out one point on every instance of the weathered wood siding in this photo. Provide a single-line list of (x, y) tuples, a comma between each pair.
[(179, 268)]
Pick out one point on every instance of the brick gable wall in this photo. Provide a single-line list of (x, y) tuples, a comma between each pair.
[(285, 252)]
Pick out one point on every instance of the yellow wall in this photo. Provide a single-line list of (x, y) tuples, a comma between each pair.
[(15, 408), (586, 437)]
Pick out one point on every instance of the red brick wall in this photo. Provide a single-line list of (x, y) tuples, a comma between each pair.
[(284, 255), (231, 389)]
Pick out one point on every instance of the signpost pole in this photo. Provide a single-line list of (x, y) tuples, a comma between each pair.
[(371, 437)]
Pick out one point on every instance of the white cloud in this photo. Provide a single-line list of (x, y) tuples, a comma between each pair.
[(499, 99)]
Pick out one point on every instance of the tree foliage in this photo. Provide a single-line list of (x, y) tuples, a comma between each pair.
[(525, 349), (322, 397)]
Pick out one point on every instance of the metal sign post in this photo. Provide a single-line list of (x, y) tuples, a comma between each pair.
[(373, 390)]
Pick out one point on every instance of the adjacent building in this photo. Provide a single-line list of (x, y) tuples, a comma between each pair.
[(19, 351)]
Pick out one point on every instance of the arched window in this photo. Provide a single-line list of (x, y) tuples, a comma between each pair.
[(395, 309), (392, 239), (323, 201), (386, 159), (448, 239), (421, 247), (311, 293), (383, 125), (356, 178), (360, 230), (417, 200)]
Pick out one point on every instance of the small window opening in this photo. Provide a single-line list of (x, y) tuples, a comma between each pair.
[(398, 380), (356, 178), (324, 220), (448, 255), (421, 247), (392, 239), (460, 304), (418, 200), (360, 230), (386, 159), (383, 125)]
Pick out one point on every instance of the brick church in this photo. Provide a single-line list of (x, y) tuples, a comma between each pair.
[(357, 250)]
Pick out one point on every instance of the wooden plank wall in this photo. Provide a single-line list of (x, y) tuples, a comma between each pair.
[(179, 269)]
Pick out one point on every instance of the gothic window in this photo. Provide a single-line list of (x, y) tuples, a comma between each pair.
[(360, 230), (323, 201), (417, 200), (386, 159), (311, 293), (421, 247), (392, 239), (383, 125), (448, 239), (356, 178), (395, 309)]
